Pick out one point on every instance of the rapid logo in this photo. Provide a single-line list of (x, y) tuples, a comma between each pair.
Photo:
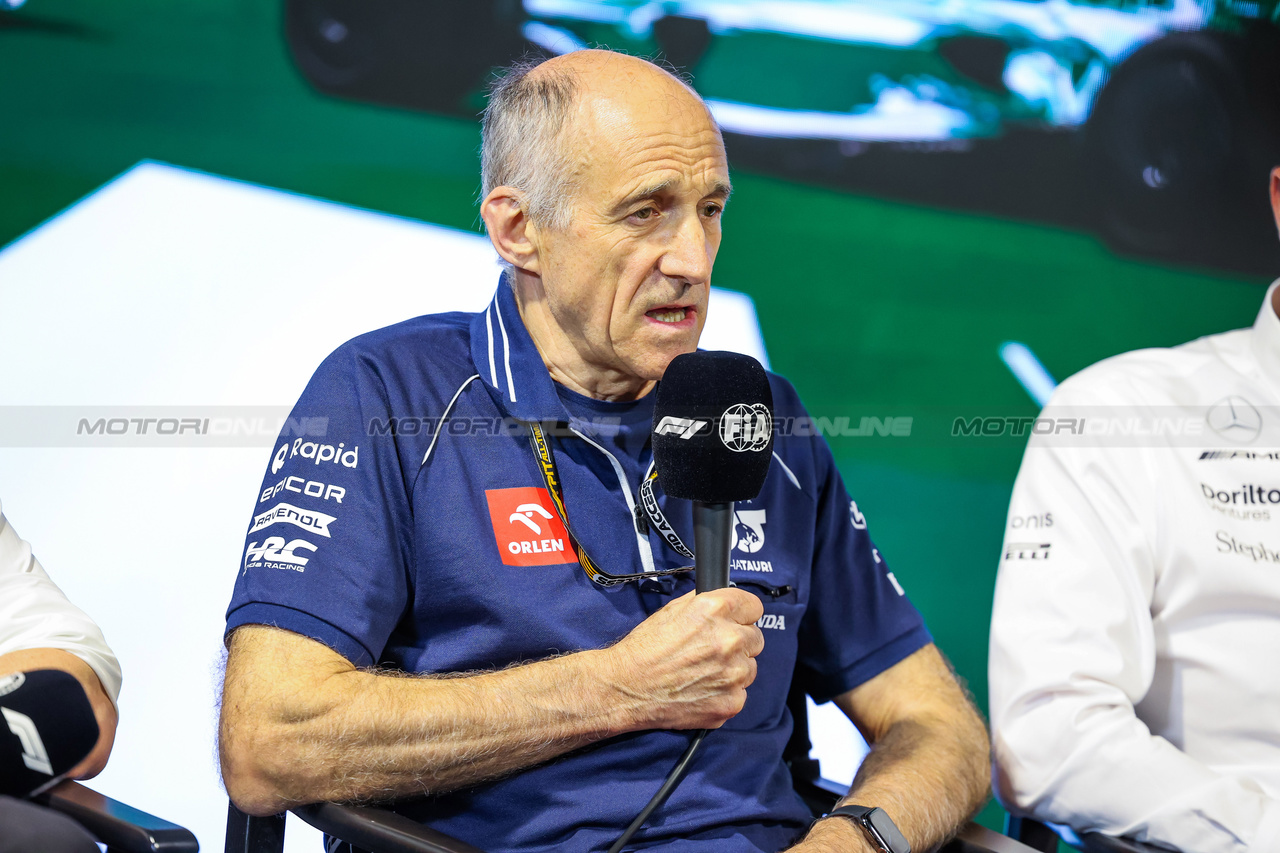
[(748, 537), (277, 462), (685, 428), (283, 513), (526, 528), (310, 488), (275, 553), (744, 428), (318, 453)]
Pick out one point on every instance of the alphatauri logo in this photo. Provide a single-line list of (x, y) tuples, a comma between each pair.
[(748, 530)]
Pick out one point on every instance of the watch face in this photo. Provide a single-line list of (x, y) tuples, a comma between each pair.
[(890, 839)]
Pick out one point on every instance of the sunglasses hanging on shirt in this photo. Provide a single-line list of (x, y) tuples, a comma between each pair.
[(551, 478)]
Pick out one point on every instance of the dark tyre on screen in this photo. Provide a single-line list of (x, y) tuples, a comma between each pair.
[(1178, 144), (418, 54)]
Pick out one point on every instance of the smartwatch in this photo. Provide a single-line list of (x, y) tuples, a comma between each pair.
[(878, 827)]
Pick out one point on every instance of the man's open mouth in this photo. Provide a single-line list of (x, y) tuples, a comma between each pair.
[(668, 315)]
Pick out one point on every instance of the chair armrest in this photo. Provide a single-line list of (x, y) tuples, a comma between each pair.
[(1096, 842), (974, 838), (119, 826), (379, 831)]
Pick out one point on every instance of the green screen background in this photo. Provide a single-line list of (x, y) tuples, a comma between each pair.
[(871, 307)]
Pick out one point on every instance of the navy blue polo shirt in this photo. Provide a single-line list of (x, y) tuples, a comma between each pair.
[(416, 533)]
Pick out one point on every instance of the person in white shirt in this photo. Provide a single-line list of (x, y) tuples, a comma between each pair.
[(42, 634), (1135, 638)]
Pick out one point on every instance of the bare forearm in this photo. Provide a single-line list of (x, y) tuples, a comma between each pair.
[(369, 736), (929, 765), (104, 711), (300, 724), (929, 778)]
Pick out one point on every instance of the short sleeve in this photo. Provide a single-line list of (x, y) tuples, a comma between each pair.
[(859, 621), (35, 614), (329, 539)]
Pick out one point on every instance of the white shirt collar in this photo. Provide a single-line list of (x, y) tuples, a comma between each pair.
[(1265, 339)]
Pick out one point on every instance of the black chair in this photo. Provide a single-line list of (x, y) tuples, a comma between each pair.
[(122, 828), (1040, 837), (379, 831)]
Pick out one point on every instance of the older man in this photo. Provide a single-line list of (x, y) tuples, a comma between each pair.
[(418, 537)]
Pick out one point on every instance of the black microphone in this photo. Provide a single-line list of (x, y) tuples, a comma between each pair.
[(712, 444), (47, 727)]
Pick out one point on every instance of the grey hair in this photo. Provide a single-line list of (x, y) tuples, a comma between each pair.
[(520, 140)]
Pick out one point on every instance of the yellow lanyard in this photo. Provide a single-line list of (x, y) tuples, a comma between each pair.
[(551, 477)]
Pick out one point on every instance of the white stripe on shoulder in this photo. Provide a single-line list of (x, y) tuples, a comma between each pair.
[(447, 409), (493, 370), (506, 354), (790, 476)]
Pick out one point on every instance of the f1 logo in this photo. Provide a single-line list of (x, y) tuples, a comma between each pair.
[(685, 428), (526, 528)]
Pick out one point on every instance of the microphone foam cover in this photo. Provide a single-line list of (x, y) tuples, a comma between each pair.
[(47, 727), (713, 427)]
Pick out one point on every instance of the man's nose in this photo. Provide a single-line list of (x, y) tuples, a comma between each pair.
[(689, 252)]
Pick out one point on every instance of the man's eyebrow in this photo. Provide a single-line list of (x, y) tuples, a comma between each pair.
[(721, 190)]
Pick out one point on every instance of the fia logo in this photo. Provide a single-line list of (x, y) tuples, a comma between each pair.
[(744, 428), (748, 530)]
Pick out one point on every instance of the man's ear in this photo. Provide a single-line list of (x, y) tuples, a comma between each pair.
[(1275, 195), (510, 230)]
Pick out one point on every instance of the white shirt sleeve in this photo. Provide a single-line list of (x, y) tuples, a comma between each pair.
[(35, 614), (1073, 651)]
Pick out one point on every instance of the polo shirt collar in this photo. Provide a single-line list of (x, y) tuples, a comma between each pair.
[(510, 364), (1266, 338)]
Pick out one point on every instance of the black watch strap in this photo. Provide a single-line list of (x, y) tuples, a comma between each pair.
[(879, 828)]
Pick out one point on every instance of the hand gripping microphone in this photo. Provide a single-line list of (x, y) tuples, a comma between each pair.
[(712, 444), (47, 727)]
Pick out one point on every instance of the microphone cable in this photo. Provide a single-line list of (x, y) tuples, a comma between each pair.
[(672, 782)]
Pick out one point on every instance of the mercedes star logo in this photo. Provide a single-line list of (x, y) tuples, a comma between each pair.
[(1235, 419)]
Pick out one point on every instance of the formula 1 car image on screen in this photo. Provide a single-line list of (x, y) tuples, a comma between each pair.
[(1174, 101)]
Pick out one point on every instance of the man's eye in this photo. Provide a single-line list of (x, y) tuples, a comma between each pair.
[(644, 213), (712, 210)]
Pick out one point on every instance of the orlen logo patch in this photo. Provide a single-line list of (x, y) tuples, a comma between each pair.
[(526, 527)]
